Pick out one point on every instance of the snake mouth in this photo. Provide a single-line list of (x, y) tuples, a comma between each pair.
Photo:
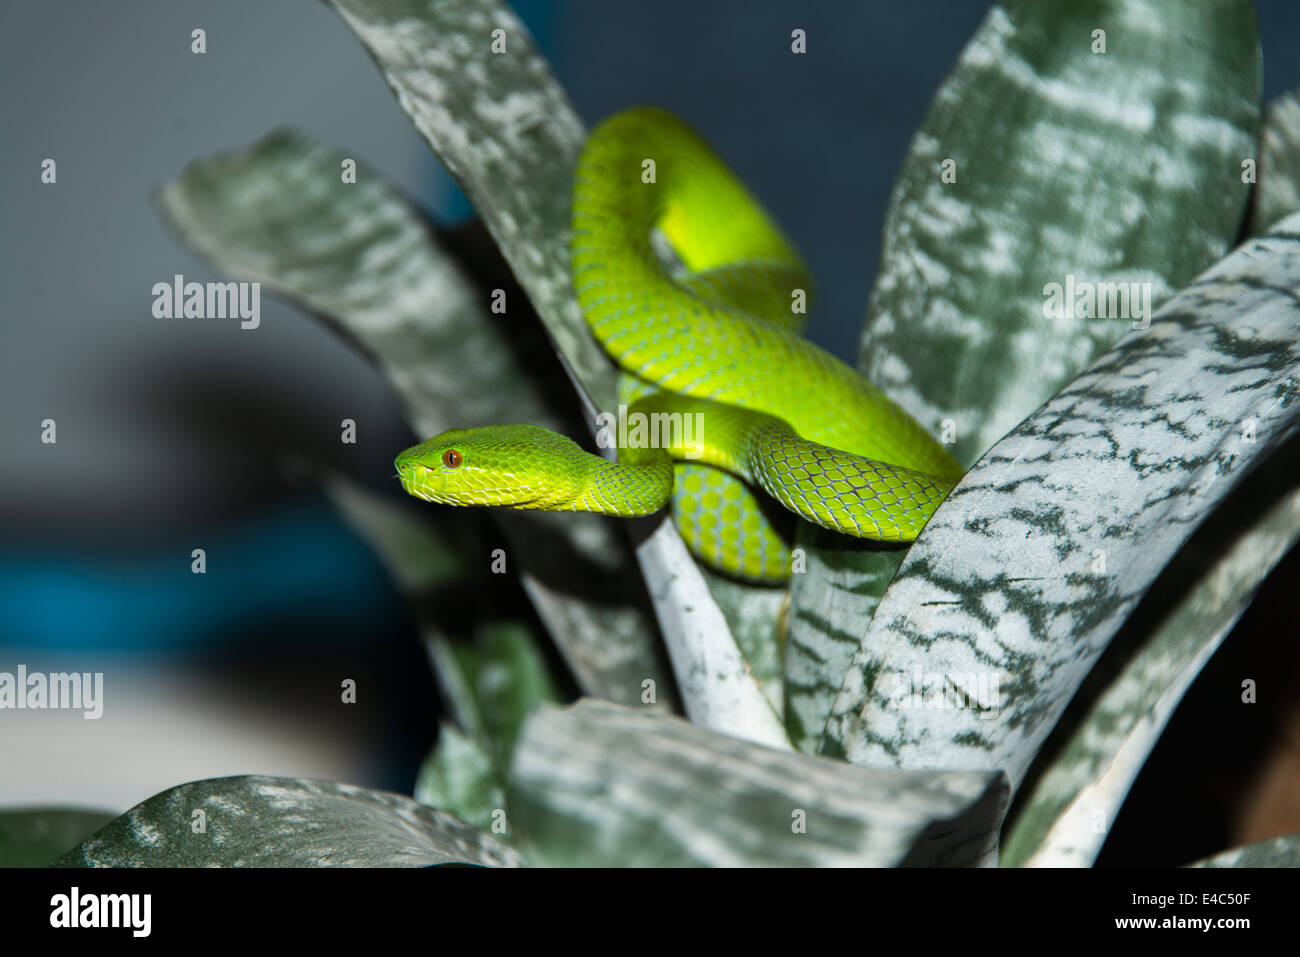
[(423, 483)]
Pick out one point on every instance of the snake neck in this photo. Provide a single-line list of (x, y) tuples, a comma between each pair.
[(640, 483), (657, 429)]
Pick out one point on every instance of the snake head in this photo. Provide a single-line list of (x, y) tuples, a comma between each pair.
[(521, 466)]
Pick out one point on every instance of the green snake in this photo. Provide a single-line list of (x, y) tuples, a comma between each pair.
[(727, 405)]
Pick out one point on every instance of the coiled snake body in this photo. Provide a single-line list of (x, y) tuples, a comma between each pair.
[(715, 342)]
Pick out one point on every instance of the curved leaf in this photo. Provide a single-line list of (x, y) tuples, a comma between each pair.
[(1106, 738), (1064, 164), (1279, 852), (1122, 165), (598, 784), (718, 688), (494, 684), (1055, 822), (1277, 192), (503, 126), (1028, 569), (458, 776), (754, 617), (282, 822)]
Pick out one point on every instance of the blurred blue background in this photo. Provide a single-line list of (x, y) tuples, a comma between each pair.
[(171, 435)]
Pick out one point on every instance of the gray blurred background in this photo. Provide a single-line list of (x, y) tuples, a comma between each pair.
[(169, 432)]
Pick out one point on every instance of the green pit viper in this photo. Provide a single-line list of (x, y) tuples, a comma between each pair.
[(715, 337)]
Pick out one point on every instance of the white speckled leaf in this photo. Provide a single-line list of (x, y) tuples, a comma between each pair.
[(365, 260), (1108, 736), (718, 688), (495, 683), (504, 128), (599, 784), (1277, 192), (831, 604), (1278, 852), (1108, 731), (1122, 166), (754, 615), (459, 777), (1029, 568), (283, 822), (1067, 161)]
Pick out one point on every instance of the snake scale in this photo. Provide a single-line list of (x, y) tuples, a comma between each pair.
[(707, 335)]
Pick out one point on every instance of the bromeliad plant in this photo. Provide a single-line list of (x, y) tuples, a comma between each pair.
[(889, 707)]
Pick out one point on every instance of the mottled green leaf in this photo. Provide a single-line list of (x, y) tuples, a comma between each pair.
[(363, 258), (1118, 716), (503, 126), (1115, 166), (493, 684), (1277, 190), (460, 778), (282, 822), (599, 784), (33, 837), (1278, 852), (1065, 164), (754, 617), (1030, 567), (719, 690), (831, 604)]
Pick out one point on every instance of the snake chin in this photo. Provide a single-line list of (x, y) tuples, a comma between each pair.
[(423, 483), (432, 484)]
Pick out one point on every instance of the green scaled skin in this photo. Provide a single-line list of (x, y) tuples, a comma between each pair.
[(730, 391)]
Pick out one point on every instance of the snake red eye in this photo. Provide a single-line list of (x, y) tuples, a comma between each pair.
[(451, 458)]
